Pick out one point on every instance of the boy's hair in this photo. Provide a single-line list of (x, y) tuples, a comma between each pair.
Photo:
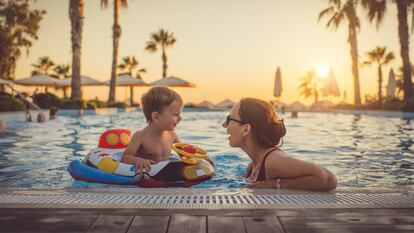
[(156, 99)]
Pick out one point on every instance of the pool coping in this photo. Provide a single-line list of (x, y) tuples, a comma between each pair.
[(201, 198)]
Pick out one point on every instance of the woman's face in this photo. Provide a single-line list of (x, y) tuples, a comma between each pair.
[(234, 127)]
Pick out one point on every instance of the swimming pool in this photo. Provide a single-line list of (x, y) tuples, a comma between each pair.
[(363, 150)]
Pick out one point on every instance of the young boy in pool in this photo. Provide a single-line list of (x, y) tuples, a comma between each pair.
[(162, 109)]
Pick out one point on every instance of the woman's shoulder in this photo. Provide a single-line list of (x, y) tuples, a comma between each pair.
[(276, 158)]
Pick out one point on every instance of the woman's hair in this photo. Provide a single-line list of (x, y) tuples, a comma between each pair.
[(156, 99), (267, 128)]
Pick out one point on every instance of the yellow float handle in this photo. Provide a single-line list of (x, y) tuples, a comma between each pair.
[(179, 148)]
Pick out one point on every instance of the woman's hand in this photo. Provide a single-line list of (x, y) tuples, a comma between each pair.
[(261, 184), (142, 164)]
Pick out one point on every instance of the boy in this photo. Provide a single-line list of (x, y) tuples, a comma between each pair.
[(162, 109)]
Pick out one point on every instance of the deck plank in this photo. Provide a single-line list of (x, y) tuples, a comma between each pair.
[(347, 220), (45, 223), (149, 224), (110, 223), (221, 224), (263, 225), (187, 224), (348, 229)]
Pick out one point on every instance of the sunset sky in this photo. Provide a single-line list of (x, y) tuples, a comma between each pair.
[(229, 49)]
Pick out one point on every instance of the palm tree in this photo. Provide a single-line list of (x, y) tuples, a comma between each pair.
[(19, 25), (62, 71), (338, 13), (76, 8), (380, 57), (115, 43), (309, 86), (130, 64), (43, 65), (376, 11), (163, 40), (400, 79)]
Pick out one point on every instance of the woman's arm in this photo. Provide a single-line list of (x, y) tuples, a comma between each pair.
[(298, 174), (295, 174)]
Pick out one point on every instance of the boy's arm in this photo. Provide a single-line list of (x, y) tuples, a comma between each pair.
[(131, 157), (129, 153)]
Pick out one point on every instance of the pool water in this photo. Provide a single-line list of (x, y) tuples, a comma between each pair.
[(371, 151)]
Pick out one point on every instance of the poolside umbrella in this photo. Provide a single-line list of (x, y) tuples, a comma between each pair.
[(172, 82), (225, 104), (38, 80), (331, 86), (85, 81), (126, 80), (41, 80), (277, 92), (206, 104), (391, 84), (297, 106)]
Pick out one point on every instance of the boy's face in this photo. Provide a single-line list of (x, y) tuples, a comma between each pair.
[(170, 116)]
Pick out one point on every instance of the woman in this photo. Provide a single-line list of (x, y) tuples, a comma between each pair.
[(254, 127)]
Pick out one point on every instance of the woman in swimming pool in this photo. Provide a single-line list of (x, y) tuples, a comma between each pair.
[(254, 127)]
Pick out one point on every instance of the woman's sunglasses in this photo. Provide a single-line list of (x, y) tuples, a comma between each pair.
[(228, 119)]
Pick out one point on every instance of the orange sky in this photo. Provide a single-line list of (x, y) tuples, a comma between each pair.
[(230, 49)]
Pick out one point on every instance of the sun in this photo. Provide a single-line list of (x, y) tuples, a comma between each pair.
[(322, 71)]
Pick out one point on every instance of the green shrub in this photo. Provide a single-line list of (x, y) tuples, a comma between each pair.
[(408, 106), (372, 106), (67, 103), (97, 103), (46, 100), (392, 104), (91, 105), (9, 103), (117, 105)]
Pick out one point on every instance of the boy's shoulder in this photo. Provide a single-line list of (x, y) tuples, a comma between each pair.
[(138, 133)]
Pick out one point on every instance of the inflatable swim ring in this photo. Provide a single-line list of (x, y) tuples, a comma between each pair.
[(103, 165)]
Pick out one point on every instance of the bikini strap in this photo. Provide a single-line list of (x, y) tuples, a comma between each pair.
[(262, 172)]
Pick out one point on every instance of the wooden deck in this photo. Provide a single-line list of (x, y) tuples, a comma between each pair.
[(113, 209), (306, 220)]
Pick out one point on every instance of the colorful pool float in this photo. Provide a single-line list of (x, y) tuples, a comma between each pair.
[(103, 165)]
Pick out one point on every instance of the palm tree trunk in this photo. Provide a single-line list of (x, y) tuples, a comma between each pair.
[(352, 39), (76, 18), (404, 47), (164, 63), (116, 35), (132, 95), (380, 84)]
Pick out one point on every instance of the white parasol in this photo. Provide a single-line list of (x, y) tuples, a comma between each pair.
[(392, 85), (331, 86), (172, 82), (277, 92)]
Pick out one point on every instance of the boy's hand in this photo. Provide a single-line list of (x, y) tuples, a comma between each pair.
[(143, 163)]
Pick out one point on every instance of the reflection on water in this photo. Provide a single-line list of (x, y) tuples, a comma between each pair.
[(362, 150)]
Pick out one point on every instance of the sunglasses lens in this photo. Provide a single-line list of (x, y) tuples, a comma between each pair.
[(227, 120)]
